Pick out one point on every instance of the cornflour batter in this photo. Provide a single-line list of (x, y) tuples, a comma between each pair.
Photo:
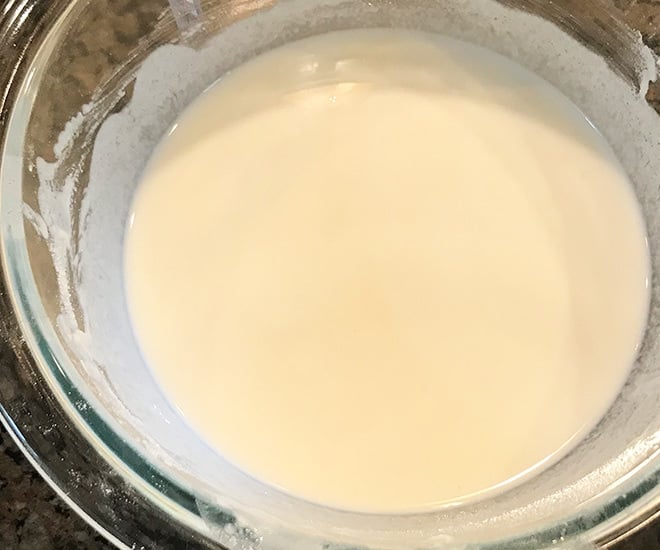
[(383, 270)]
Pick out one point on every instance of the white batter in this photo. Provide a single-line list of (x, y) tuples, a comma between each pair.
[(383, 270)]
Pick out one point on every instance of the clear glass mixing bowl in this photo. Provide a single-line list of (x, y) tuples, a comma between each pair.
[(89, 88)]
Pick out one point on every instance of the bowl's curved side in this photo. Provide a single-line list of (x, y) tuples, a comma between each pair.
[(37, 422)]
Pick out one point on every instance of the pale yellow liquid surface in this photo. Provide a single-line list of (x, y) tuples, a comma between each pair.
[(382, 270)]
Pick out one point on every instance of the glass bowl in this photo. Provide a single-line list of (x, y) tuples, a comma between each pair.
[(89, 88)]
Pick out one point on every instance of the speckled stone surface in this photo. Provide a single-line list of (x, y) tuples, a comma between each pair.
[(33, 517)]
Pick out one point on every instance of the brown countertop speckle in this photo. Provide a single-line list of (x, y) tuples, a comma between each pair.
[(32, 516)]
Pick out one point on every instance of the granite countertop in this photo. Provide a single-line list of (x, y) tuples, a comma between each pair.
[(32, 516)]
